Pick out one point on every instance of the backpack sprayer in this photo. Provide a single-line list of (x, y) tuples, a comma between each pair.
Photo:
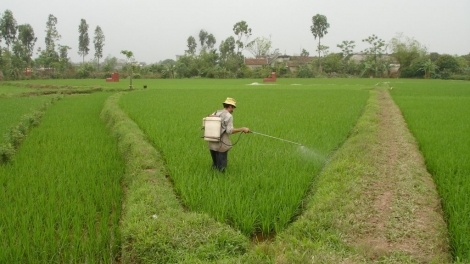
[(211, 126)]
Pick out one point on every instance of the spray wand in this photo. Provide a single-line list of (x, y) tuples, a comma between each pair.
[(276, 138)]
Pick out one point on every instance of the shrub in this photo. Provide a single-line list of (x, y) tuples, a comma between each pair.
[(445, 74)]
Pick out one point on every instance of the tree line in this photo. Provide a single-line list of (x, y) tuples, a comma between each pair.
[(53, 61), (204, 59)]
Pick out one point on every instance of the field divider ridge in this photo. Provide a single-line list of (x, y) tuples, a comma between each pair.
[(17, 133), (155, 228), (346, 218)]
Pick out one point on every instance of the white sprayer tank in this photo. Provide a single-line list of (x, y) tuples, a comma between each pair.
[(211, 125)]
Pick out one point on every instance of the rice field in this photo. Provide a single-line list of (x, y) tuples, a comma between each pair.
[(13, 109), (61, 196), (266, 179), (438, 114)]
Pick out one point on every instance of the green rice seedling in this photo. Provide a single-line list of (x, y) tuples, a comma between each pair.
[(263, 187), (61, 195), (438, 114), (17, 133), (13, 109)]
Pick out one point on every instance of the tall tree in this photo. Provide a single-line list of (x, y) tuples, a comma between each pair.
[(52, 35), (374, 62), (241, 30), (304, 53), (229, 59), (207, 40), (129, 59), (259, 47), (377, 47), (447, 63), (98, 41), (347, 48), (18, 62), (64, 53), (210, 41), (27, 40), (405, 50), (8, 28), (110, 63), (319, 29), (227, 47), (322, 49), (49, 56), (191, 45), (83, 39), (202, 38), (64, 57)]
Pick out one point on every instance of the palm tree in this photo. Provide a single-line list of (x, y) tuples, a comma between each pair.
[(428, 67)]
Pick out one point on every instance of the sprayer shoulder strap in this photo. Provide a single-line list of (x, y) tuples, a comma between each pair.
[(219, 113)]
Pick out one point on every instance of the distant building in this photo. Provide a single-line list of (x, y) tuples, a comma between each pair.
[(296, 61), (291, 62), (256, 63)]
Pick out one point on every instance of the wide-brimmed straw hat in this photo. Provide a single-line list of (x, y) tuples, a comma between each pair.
[(230, 101)]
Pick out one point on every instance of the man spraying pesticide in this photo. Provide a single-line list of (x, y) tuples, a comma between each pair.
[(217, 128)]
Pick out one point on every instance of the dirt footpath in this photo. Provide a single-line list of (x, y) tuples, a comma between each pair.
[(401, 212)]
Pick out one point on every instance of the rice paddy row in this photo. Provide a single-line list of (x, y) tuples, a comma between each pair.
[(61, 196), (438, 114)]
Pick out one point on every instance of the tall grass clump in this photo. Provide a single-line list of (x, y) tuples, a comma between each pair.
[(61, 195), (266, 180), (438, 114)]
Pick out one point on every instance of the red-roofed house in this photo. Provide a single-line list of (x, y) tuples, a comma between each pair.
[(256, 63)]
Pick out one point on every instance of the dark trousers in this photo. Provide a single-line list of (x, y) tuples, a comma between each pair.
[(219, 160)]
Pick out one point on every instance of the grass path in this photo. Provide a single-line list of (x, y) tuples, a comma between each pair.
[(374, 202), (400, 207)]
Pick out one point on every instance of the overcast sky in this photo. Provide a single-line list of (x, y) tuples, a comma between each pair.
[(156, 30)]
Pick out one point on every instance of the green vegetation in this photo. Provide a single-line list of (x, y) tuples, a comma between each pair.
[(223, 59), (266, 181), (17, 132), (438, 114), (61, 196), (333, 227), (155, 227), (67, 185), (45, 87), (13, 109)]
